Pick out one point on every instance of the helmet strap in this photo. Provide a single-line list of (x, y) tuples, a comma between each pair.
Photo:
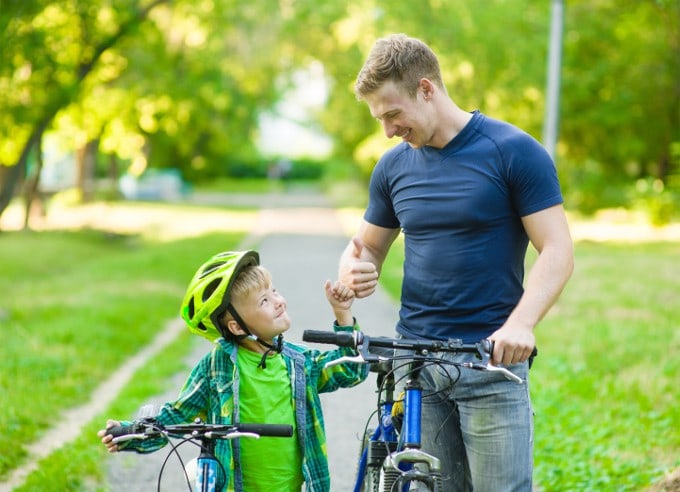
[(248, 334), (270, 348)]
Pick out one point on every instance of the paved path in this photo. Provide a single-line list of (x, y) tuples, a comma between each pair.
[(300, 244)]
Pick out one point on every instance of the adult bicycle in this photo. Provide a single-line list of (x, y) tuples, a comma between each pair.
[(210, 473), (391, 459)]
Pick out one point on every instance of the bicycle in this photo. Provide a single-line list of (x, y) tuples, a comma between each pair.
[(390, 458), (210, 473)]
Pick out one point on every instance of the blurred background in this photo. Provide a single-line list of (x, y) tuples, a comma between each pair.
[(153, 98), (138, 136)]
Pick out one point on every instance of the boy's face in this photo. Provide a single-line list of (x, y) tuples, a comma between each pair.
[(264, 311)]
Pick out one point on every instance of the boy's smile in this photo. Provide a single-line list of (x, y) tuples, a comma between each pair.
[(264, 311)]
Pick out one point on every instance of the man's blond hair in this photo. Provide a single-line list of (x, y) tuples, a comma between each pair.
[(400, 59)]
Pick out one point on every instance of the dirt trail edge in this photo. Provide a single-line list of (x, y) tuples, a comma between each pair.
[(299, 237), (69, 427)]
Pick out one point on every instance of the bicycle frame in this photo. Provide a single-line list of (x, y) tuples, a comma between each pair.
[(209, 474), (402, 460), (384, 438), (397, 453)]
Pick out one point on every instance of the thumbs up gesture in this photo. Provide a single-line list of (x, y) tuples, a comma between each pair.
[(357, 272)]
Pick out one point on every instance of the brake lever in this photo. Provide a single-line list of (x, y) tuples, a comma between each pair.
[(357, 359), (363, 357), (129, 437), (485, 364), (231, 435)]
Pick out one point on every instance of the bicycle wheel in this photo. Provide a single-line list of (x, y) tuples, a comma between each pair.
[(371, 479), (434, 484), (395, 480)]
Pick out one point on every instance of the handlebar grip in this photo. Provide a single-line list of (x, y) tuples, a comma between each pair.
[(121, 430), (267, 430), (488, 345), (341, 338)]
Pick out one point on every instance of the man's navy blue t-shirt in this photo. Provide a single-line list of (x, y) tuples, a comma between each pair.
[(460, 211)]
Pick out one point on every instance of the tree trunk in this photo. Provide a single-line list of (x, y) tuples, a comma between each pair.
[(10, 176), (32, 183), (86, 158), (113, 174)]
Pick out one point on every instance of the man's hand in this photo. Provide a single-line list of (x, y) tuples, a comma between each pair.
[(512, 344), (360, 276)]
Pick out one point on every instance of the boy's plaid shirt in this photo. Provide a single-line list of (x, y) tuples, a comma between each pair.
[(211, 394)]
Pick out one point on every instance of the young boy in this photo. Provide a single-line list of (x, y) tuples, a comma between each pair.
[(252, 376)]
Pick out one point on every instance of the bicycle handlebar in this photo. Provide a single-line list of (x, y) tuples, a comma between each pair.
[(362, 343), (147, 428), (356, 339)]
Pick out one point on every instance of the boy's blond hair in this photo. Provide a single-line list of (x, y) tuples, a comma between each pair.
[(251, 278), (401, 59)]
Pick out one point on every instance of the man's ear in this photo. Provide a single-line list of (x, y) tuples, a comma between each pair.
[(427, 88)]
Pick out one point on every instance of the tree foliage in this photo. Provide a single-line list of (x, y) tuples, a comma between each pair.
[(182, 84)]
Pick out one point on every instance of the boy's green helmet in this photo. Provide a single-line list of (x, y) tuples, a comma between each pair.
[(207, 297)]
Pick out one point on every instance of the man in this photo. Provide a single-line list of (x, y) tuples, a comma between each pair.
[(469, 193)]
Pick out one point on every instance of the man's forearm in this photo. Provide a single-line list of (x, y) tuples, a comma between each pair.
[(545, 283)]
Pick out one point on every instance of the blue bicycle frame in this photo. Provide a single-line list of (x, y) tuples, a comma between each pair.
[(209, 473), (385, 439), (402, 461)]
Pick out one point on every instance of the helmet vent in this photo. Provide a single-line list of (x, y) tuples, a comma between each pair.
[(201, 326), (211, 268), (191, 308), (210, 288)]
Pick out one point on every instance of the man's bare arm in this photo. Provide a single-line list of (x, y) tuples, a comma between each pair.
[(549, 233)]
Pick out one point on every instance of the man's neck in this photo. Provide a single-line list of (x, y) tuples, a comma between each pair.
[(451, 123)]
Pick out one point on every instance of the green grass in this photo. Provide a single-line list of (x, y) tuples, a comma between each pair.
[(81, 465), (75, 306), (605, 385)]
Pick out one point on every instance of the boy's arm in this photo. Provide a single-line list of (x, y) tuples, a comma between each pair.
[(193, 401), (342, 375)]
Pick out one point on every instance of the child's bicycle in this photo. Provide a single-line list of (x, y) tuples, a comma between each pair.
[(210, 473), (391, 459)]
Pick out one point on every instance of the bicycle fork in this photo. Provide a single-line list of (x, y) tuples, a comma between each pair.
[(410, 463)]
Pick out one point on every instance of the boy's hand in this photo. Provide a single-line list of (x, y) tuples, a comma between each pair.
[(340, 298), (338, 294), (106, 439)]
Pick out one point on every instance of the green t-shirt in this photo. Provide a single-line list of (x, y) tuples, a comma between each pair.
[(265, 396)]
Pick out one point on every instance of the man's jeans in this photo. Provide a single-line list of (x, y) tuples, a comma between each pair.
[(479, 424)]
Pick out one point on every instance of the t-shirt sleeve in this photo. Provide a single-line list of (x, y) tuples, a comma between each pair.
[(380, 211), (533, 177)]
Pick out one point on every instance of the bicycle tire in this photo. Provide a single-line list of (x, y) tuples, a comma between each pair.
[(371, 478), (393, 480)]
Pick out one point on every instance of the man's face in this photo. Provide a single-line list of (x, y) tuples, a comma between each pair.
[(401, 115), (264, 311)]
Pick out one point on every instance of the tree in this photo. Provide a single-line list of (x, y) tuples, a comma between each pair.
[(621, 105), (51, 48)]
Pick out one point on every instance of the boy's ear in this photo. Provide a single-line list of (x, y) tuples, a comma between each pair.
[(234, 328)]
